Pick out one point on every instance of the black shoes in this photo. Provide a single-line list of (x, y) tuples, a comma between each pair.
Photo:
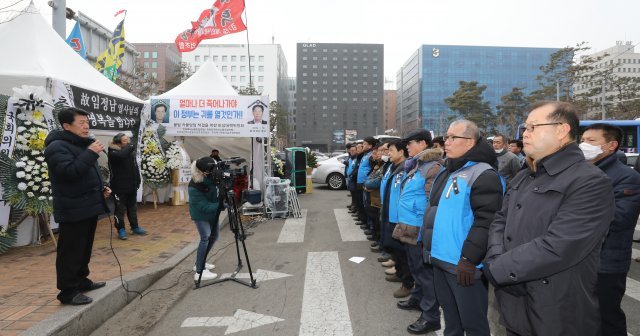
[(368, 232), (93, 286), (411, 304), (77, 300), (422, 327)]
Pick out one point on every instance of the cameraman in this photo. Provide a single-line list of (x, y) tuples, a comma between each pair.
[(203, 208), (125, 180)]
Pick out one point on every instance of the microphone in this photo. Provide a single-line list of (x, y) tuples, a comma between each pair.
[(92, 139)]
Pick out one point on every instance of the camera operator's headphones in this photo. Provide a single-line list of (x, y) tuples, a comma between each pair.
[(117, 139)]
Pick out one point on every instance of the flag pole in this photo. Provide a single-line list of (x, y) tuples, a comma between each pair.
[(246, 23)]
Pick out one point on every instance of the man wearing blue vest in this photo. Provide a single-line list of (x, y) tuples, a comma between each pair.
[(389, 195), (420, 168), (363, 172), (463, 201), (348, 169)]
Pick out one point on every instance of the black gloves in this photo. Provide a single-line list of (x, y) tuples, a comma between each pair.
[(466, 272)]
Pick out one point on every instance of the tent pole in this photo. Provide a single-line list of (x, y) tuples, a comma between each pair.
[(246, 23)]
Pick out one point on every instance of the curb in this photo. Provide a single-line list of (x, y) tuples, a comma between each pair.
[(107, 301)]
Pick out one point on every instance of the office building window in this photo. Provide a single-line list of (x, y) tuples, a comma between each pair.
[(243, 68), (154, 75), (233, 58), (260, 88), (154, 54), (260, 78), (197, 67), (224, 68), (146, 65), (252, 58), (260, 58), (215, 58), (206, 58), (243, 79), (233, 68), (224, 58), (261, 68), (154, 65), (243, 58), (233, 78), (197, 58)]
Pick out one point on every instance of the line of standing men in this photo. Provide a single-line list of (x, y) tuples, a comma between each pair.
[(539, 242)]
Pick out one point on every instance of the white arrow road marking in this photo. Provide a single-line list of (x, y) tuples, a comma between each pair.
[(324, 302), (349, 231), (259, 275), (293, 229), (241, 320)]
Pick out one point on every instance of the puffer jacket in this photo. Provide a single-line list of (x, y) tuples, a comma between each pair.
[(75, 177), (414, 192)]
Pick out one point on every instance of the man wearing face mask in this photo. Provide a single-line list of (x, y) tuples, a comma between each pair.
[(599, 144), (508, 163)]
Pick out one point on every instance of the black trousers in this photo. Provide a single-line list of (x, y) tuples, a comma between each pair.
[(402, 267), (75, 242), (465, 308), (610, 290), (126, 202), (424, 289), (362, 216)]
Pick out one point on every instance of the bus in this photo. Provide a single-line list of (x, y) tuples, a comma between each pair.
[(630, 135)]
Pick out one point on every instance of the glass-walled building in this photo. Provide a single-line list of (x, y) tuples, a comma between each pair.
[(434, 72)]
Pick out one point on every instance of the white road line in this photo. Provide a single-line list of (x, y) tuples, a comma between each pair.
[(293, 229), (633, 289), (324, 302), (349, 231)]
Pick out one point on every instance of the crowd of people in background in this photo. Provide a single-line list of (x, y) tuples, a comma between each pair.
[(547, 221)]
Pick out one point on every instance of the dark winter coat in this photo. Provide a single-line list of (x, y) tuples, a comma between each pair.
[(615, 256), (76, 183), (387, 228), (484, 198), (125, 175), (544, 246), (203, 196)]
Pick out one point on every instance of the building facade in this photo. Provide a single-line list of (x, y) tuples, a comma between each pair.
[(291, 91), (267, 65), (434, 72), (158, 61), (339, 87), (389, 112), (96, 37), (619, 61)]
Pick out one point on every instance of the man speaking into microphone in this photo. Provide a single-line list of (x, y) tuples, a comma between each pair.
[(78, 199)]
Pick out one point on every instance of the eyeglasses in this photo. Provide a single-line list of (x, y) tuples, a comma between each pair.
[(531, 127), (453, 137)]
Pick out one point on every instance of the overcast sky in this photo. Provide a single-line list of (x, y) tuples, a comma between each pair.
[(401, 25)]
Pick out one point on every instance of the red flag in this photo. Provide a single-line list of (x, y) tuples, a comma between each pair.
[(120, 12), (223, 18)]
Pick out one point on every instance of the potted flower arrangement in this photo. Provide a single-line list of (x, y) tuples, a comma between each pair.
[(24, 174), (154, 164)]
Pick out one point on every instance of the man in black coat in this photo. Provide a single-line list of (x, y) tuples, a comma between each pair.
[(125, 180), (544, 244), (78, 199), (600, 143)]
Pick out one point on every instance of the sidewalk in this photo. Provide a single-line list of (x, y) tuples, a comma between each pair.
[(28, 280)]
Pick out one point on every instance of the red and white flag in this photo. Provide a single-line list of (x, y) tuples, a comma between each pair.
[(223, 18), (120, 12)]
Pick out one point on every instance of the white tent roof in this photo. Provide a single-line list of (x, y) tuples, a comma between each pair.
[(207, 81), (33, 52)]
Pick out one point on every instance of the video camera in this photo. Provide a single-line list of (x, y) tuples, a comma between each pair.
[(222, 173)]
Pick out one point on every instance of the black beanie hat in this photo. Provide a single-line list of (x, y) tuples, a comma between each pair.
[(205, 163)]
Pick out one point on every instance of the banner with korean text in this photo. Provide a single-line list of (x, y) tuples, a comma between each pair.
[(105, 112), (220, 116)]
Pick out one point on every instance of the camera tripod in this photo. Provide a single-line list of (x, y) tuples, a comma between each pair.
[(235, 224)]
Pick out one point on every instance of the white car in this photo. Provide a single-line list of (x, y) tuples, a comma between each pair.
[(331, 172)]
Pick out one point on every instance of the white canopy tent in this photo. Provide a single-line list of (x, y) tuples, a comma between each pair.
[(209, 81), (34, 54)]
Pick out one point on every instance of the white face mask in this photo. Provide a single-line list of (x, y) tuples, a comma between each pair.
[(385, 158), (590, 151), (498, 151)]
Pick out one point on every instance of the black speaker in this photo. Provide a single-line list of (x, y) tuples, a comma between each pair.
[(300, 160), (300, 178)]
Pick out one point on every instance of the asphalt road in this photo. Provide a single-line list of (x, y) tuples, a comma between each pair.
[(307, 285)]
